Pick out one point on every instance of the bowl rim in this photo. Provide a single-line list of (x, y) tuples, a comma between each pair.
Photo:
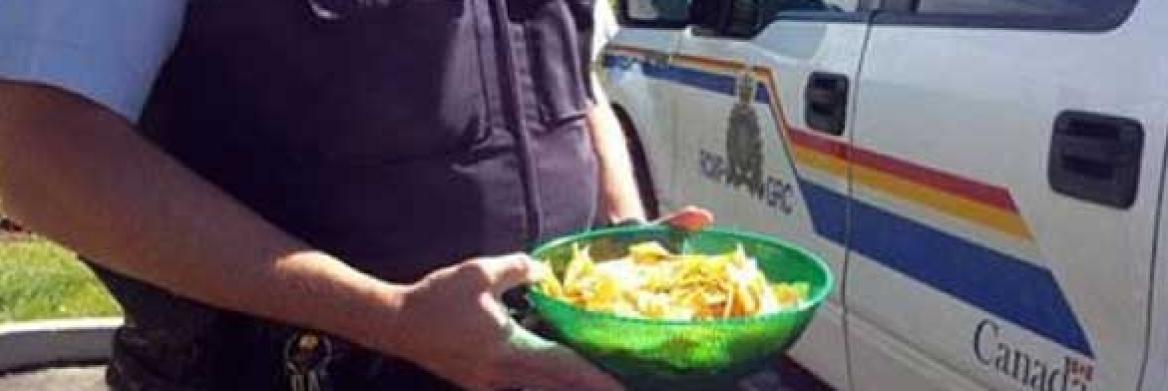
[(810, 304)]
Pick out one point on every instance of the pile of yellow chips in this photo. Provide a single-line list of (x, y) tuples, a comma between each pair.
[(653, 283)]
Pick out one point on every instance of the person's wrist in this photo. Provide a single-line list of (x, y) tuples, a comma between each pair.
[(397, 331), (382, 326)]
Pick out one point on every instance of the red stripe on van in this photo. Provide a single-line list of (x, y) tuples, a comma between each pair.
[(977, 191)]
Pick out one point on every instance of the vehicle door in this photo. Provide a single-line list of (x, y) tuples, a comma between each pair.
[(763, 96), (1006, 167)]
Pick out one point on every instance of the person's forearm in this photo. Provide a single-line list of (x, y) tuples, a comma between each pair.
[(618, 185), (81, 176)]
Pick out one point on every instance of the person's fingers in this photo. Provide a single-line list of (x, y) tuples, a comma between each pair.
[(508, 271), (551, 366), (689, 218)]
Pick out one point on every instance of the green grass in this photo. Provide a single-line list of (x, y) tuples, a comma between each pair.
[(39, 280)]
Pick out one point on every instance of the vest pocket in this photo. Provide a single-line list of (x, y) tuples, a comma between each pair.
[(555, 39), (395, 79)]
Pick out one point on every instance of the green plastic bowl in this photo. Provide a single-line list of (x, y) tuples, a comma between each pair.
[(679, 355)]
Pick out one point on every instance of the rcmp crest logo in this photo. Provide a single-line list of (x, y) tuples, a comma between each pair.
[(744, 140), (741, 167)]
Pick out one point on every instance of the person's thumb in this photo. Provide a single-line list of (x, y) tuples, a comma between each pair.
[(690, 218), (509, 271)]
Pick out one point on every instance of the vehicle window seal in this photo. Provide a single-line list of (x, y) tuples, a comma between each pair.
[(1086, 23), (834, 17), (859, 16)]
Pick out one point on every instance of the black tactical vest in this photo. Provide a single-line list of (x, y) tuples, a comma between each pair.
[(399, 135)]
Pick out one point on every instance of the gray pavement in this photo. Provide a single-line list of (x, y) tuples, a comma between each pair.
[(32, 344), (87, 340), (86, 378)]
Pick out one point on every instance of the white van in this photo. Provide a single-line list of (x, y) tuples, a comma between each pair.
[(985, 177)]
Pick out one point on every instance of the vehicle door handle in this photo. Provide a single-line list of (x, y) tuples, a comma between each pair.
[(825, 105), (1096, 157)]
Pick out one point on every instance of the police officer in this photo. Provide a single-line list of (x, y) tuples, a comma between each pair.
[(313, 194)]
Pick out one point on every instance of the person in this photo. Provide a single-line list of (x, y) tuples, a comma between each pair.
[(314, 194)]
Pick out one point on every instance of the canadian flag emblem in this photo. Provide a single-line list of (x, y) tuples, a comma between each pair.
[(1081, 373)]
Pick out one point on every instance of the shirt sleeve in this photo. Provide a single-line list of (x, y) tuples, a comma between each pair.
[(604, 28), (108, 51)]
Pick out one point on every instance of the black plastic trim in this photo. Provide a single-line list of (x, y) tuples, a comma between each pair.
[(848, 17), (822, 16), (1096, 157), (825, 102), (1089, 23)]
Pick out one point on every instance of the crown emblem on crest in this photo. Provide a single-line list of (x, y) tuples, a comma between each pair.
[(746, 87)]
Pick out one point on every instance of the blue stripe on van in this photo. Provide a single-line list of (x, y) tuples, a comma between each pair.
[(828, 209), (763, 95), (1010, 288), (713, 82)]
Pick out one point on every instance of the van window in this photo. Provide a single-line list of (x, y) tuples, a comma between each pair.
[(749, 17), (663, 13), (770, 11), (1083, 15), (1018, 7)]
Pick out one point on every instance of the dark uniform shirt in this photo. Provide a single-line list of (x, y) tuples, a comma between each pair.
[(399, 135)]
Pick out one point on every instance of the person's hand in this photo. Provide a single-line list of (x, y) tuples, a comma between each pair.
[(689, 218), (461, 332)]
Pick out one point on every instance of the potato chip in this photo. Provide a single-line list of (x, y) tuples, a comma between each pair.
[(653, 283), (790, 295), (648, 252)]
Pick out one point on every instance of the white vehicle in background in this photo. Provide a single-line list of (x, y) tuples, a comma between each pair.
[(985, 177)]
